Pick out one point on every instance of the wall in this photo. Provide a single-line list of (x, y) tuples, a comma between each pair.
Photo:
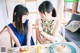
[(4, 39), (2, 14)]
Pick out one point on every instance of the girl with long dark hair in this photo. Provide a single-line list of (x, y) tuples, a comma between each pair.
[(21, 28)]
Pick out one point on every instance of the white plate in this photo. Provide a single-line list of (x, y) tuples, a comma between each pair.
[(69, 48)]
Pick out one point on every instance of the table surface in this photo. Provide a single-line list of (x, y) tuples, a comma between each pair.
[(45, 48)]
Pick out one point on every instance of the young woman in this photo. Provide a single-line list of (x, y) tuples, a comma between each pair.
[(47, 25), (21, 28)]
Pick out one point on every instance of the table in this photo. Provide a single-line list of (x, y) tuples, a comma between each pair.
[(45, 48)]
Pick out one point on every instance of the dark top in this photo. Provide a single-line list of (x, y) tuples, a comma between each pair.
[(21, 37)]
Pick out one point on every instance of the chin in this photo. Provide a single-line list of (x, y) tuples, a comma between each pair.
[(23, 22)]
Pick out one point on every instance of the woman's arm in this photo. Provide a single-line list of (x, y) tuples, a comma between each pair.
[(56, 27), (50, 37), (47, 36), (12, 35), (38, 32), (29, 33), (4, 29)]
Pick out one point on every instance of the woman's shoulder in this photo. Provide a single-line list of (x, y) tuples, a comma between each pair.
[(9, 26), (13, 23), (28, 22), (55, 19), (38, 20)]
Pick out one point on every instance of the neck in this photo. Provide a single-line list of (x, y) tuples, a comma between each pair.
[(47, 19)]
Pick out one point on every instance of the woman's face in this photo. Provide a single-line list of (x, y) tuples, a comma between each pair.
[(24, 17), (42, 15), (45, 16)]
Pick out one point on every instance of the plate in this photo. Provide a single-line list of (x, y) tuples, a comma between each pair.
[(71, 49), (31, 50), (16, 50)]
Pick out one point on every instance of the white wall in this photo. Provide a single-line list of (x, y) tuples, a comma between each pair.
[(3, 14), (4, 37), (10, 7)]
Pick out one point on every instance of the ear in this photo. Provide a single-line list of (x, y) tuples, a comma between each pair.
[(14, 13)]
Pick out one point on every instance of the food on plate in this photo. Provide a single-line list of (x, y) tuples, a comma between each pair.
[(60, 48), (24, 50)]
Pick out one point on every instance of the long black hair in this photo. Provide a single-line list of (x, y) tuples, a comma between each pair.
[(19, 11), (47, 6)]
